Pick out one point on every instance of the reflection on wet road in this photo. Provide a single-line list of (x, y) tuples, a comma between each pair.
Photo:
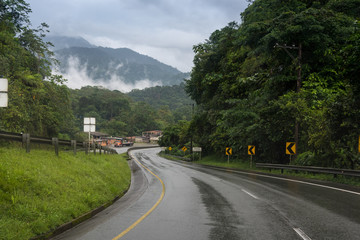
[(224, 220)]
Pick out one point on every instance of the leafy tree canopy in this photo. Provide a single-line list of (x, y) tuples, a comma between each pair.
[(244, 81)]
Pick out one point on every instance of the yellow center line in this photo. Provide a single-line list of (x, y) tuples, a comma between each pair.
[(148, 212)]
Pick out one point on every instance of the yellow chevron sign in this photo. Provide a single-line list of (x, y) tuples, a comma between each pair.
[(251, 150), (228, 151), (290, 148)]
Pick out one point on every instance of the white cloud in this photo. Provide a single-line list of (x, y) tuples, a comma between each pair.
[(163, 29), (77, 77)]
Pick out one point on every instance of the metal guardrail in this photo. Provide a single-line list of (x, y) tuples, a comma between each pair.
[(26, 139), (335, 171)]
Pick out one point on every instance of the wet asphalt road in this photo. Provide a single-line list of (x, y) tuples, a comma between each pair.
[(204, 203)]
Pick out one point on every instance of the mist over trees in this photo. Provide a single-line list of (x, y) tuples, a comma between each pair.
[(244, 82)]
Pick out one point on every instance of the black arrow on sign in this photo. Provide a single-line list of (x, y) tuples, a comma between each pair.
[(228, 151), (251, 148), (289, 148)]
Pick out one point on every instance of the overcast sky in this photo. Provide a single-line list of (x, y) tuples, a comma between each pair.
[(163, 29)]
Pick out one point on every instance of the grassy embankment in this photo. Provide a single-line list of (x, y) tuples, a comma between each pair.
[(221, 161), (39, 191)]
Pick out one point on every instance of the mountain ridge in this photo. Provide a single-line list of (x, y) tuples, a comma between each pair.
[(105, 65)]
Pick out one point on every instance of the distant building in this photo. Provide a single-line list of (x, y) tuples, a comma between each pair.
[(97, 135), (152, 136)]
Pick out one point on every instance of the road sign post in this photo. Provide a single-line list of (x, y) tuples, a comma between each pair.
[(228, 152), (290, 149), (251, 152), (196, 149), (89, 126), (184, 149)]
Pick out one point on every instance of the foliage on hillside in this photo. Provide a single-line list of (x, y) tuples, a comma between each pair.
[(35, 105), (245, 87), (173, 97), (120, 114), (115, 113)]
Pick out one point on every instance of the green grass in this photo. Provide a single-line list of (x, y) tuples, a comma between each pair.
[(221, 161), (39, 191)]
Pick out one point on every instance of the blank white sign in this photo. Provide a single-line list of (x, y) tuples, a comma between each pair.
[(197, 149), (3, 85), (3, 99), (89, 128), (89, 121)]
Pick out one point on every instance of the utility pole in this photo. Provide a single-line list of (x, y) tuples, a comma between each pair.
[(191, 139), (298, 81)]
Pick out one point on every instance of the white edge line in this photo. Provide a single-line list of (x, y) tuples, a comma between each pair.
[(250, 194), (297, 181), (302, 234)]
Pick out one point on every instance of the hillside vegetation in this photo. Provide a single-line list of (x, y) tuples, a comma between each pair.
[(161, 97), (130, 114), (289, 65), (39, 191)]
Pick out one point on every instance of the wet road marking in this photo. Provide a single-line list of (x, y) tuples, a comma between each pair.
[(216, 179), (250, 194), (296, 181), (302, 234), (284, 179), (148, 212)]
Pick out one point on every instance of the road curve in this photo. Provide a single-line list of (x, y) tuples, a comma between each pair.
[(203, 203)]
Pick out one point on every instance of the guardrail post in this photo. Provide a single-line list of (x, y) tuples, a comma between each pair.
[(86, 147), (73, 144), (55, 142), (26, 141)]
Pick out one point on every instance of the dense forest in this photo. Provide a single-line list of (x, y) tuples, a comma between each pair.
[(120, 114), (41, 104), (288, 73), (159, 97)]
